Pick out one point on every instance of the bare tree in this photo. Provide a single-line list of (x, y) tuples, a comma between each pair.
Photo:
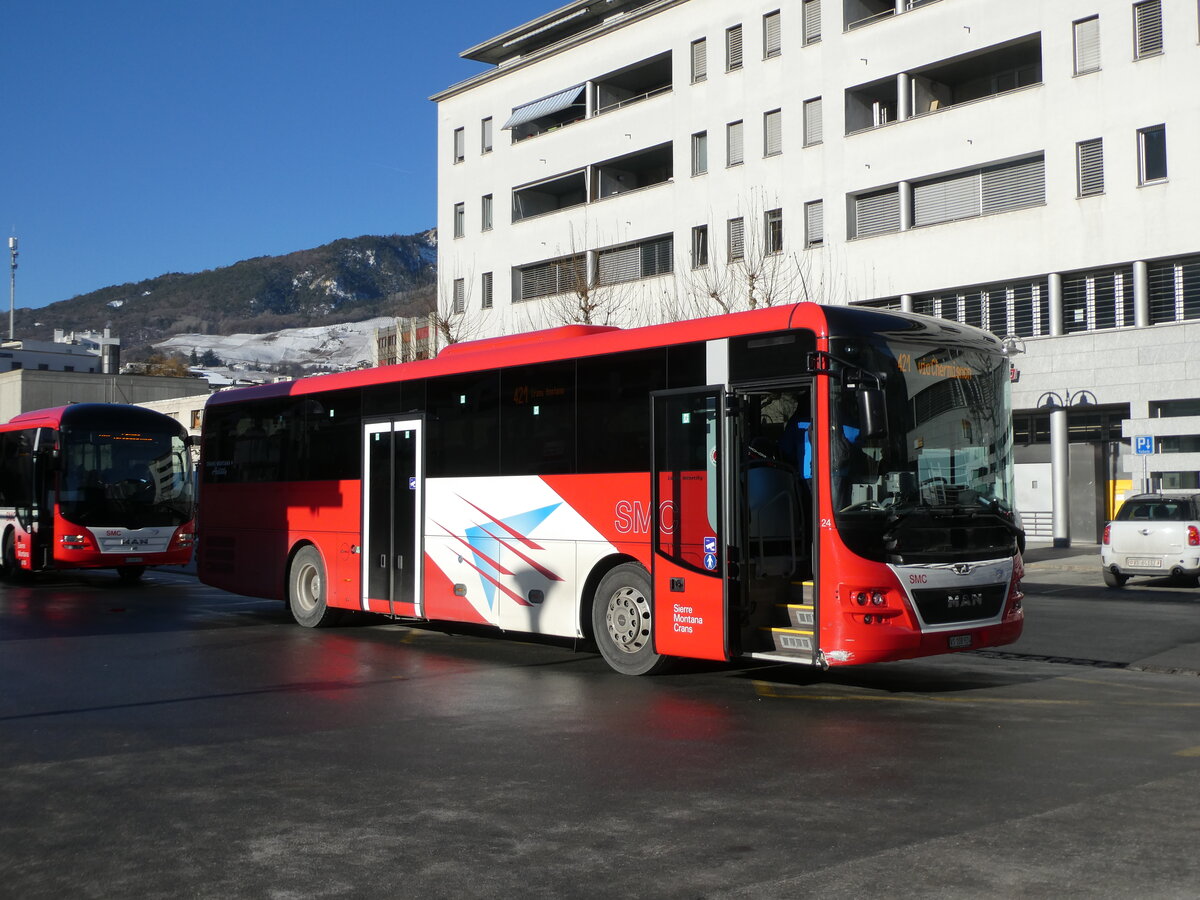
[(451, 317)]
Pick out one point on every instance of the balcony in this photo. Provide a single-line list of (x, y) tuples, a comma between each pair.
[(859, 13), (940, 86)]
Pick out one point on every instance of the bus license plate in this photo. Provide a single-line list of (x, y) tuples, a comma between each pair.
[(134, 559), (958, 641)]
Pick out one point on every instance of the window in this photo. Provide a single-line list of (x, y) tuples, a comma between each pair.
[(700, 153), (979, 192), (1147, 29), (699, 246), (631, 262), (460, 145), (734, 153), (733, 48), (485, 213), (812, 21), (1152, 154), (699, 60), (812, 121), (773, 229), (460, 296), (1087, 45), (773, 132), (485, 289), (460, 219), (485, 135), (558, 276), (1089, 156), (814, 223), (772, 38), (877, 212), (737, 239)]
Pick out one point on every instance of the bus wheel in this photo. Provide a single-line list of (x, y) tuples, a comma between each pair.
[(307, 590), (622, 622), (130, 574)]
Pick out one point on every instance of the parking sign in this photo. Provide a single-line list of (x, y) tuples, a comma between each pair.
[(1143, 444)]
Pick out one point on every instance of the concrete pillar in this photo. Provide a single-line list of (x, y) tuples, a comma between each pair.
[(1060, 476), (906, 214), (1141, 294), (1056, 305), (903, 96)]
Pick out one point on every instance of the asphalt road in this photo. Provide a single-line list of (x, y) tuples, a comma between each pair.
[(168, 740)]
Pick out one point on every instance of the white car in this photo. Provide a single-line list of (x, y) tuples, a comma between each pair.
[(1153, 534)]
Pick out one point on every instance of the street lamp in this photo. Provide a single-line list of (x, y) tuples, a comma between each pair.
[(1060, 459), (12, 284)]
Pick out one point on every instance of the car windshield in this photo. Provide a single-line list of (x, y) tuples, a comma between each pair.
[(938, 485)]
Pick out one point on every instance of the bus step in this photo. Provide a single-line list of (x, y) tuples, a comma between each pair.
[(801, 592), (797, 615), (790, 640)]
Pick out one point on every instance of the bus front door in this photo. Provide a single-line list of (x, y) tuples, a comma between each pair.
[(392, 508), (690, 555)]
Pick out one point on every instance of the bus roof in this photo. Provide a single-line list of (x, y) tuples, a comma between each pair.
[(57, 416), (577, 341)]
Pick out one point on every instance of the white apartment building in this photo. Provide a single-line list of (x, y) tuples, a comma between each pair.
[(1031, 167)]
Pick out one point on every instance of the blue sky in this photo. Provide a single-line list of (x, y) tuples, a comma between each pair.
[(139, 137)]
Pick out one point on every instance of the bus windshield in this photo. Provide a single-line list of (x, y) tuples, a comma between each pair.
[(125, 478), (938, 485)]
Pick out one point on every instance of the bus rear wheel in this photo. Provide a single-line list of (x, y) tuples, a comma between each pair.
[(623, 622), (308, 590)]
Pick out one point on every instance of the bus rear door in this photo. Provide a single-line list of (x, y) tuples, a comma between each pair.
[(392, 508)]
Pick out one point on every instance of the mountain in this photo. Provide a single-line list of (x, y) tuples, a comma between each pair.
[(348, 280)]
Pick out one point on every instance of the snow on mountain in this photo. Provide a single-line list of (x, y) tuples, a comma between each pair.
[(326, 347)]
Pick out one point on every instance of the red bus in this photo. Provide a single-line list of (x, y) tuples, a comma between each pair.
[(95, 485), (811, 484)]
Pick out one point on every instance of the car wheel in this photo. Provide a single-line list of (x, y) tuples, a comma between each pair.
[(1115, 579)]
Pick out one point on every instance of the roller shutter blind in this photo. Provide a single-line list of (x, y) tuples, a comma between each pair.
[(1014, 185), (772, 37), (772, 133), (1087, 45), (733, 47), (813, 121), (814, 223), (734, 148), (1148, 33), (812, 21), (946, 199), (877, 213), (699, 60), (1091, 167)]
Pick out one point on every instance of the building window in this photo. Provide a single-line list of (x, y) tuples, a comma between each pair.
[(460, 296), (1152, 154), (813, 124), (734, 153), (1147, 29), (772, 38), (485, 213), (485, 135), (699, 60), (812, 21), (486, 291), (1089, 157), (737, 239), (558, 276), (814, 223), (733, 48), (773, 228), (460, 219), (460, 145), (631, 262), (773, 132), (980, 192), (1087, 45), (876, 213), (699, 246), (700, 153)]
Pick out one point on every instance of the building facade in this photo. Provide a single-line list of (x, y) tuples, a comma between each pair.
[(1029, 167)]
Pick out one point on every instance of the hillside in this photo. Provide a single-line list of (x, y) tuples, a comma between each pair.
[(348, 280)]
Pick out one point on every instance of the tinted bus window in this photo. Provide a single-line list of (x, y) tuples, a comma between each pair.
[(762, 356), (686, 366), (614, 409), (537, 417), (463, 421)]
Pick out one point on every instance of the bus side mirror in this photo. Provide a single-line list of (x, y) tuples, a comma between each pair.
[(872, 412)]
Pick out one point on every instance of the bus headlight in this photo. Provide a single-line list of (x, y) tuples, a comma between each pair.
[(74, 541)]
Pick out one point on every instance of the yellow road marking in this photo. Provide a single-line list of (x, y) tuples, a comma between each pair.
[(1190, 751)]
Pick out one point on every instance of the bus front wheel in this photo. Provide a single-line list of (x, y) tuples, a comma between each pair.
[(308, 590), (623, 622)]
